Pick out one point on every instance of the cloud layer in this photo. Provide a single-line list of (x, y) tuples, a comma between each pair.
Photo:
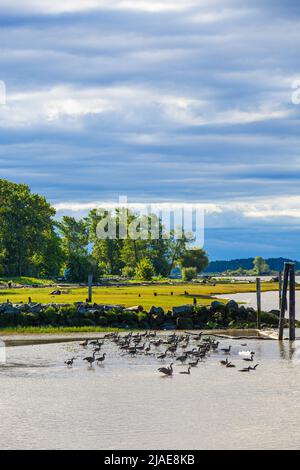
[(168, 101)]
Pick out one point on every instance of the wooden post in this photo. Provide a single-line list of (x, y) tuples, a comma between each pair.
[(283, 300), (292, 303), (280, 287), (90, 284), (258, 297)]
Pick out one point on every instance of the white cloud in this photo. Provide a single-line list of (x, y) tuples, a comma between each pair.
[(265, 208), (130, 104), (69, 6)]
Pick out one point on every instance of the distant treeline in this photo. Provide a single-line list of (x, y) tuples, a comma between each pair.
[(34, 243), (274, 264)]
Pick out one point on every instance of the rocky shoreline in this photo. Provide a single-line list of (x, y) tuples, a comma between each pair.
[(185, 317)]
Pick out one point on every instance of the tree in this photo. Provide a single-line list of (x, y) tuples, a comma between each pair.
[(194, 258), (144, 270), (75, 239), (26, 220), (106, 252), (260, 265)]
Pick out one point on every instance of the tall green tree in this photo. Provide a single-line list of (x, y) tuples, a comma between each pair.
[(194, 258), (75, 242), (260, 265), (26, 220)]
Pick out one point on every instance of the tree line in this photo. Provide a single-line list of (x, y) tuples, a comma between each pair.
[(34, 243)]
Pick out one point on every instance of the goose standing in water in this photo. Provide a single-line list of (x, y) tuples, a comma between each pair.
[(163, 355), (226, 350), (84, 344), (101, 359), (69, 362), (186, 372), (90, 359), (166, 370), (182, 359), (194, 364)]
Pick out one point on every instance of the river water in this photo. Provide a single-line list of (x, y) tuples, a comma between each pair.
[(126, 404), (269, 300)]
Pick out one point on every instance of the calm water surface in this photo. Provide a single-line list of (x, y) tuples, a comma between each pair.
[(270, 300), (126, 404)]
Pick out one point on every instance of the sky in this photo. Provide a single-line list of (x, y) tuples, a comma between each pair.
[(186, 101)]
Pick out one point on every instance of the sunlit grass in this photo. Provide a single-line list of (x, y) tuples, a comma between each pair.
[(26, 281), (134, 295), (54, 330)]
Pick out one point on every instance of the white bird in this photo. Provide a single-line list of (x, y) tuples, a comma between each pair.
[(246, 353)]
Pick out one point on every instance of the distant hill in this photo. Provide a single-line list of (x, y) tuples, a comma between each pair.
[(275, 264)]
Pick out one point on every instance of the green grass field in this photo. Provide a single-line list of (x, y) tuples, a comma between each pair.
[(129, 296), (25, 281)]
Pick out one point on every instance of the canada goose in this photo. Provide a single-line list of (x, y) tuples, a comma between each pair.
[(226, 350), (246, 369), (187, 372), (182, 359), (224, 363), (248, 359), (163, 355), (166, 370), (90, 359), (101, 359), (254, 368), (194, 364), (84, 344), (230, 366), (69, 363)]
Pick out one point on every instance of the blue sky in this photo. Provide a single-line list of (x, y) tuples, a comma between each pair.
[(165, 100)]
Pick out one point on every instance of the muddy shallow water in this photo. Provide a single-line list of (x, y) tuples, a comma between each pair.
[(126, 404)]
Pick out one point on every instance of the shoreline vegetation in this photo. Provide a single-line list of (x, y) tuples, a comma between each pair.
[(190, 306)]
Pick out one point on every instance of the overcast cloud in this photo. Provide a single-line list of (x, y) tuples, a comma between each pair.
[(166, 100)]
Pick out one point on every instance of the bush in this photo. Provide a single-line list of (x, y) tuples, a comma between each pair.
[(188, 274), (145, 270), (128, 271)]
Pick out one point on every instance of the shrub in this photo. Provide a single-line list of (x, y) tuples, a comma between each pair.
[(145, 270), (128, 271), (188, 274)]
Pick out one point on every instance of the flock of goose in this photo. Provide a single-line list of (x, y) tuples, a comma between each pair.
[(186, 349)]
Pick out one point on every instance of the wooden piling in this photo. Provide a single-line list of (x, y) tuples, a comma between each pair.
[(283, 300), (280, 287), (90, 288), (258, 297), (292, 303)]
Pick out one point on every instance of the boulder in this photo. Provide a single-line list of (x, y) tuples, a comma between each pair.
[(183, 311), (232, 305), (136, 308), (217, 306), (156, 311)]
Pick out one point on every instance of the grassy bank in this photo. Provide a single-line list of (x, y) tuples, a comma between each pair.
[(135, 295), (25, 281), (32, 330)]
